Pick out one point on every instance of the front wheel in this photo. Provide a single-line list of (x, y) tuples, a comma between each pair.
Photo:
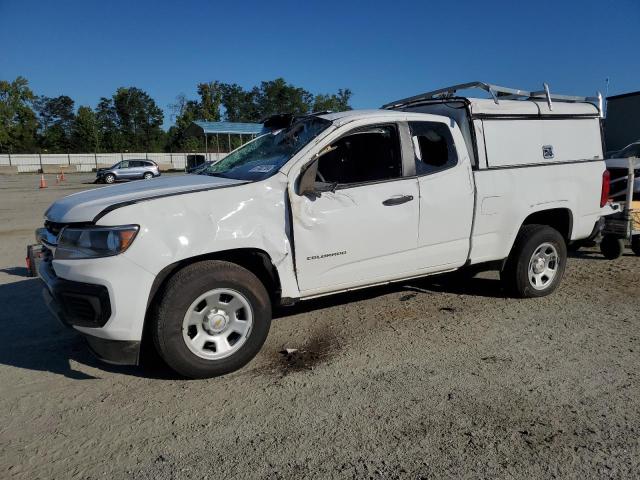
[(536, 263), (213, 319), (109, 178)]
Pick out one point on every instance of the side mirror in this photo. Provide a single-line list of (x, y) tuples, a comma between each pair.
[(307, 182)]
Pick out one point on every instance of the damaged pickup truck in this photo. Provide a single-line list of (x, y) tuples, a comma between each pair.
[(328, 203)]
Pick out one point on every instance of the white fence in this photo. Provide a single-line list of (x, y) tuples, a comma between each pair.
[(87, 162)]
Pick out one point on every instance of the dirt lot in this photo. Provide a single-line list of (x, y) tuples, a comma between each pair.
[(437, 378)]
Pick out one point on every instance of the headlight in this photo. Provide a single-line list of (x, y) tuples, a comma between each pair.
[(94, 242)]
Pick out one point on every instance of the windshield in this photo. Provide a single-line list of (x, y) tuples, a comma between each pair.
[(264, 156)]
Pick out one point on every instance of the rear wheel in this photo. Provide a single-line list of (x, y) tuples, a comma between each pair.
[(635, 245), (536, 263), (611, 247), (148, 176), (109, 178), (213, 319)]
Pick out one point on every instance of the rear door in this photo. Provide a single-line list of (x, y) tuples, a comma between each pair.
[(445, 181), (365, 231), (136, 169)]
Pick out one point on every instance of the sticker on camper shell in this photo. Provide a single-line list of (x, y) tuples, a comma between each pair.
[(547, 151), (262, 168)]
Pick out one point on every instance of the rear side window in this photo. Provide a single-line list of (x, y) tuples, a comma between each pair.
[(136, 163), (365, 155), (433, 146)]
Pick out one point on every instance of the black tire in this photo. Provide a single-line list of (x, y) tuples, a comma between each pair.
[(635, 245), (515, 274), (148, 176), (182, 290), (611, 247), (109, 178)]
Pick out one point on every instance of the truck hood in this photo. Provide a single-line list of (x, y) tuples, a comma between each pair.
[(86, 206)]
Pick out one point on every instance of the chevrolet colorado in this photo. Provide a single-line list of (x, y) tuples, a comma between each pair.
[(327, 203)]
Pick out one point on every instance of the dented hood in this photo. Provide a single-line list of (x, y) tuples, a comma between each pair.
[(86, 206)]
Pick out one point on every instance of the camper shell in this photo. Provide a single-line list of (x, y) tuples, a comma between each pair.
[(508, 129)]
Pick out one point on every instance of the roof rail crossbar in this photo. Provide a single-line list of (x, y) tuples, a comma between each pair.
[(497, 92)]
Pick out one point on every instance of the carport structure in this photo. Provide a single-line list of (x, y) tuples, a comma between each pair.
[(207, 129)]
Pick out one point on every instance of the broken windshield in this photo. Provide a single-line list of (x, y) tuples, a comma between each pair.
[(264, 156)]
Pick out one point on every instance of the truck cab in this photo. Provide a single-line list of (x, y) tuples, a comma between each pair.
[(326, 203)]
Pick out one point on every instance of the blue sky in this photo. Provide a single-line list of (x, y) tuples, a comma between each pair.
[(380, 50)]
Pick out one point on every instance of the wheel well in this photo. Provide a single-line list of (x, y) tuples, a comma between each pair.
[(255, 260), (560, 219)]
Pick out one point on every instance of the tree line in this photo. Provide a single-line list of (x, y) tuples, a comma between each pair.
[(130, 120)]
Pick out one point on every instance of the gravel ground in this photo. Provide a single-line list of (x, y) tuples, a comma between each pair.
[(437, 378)]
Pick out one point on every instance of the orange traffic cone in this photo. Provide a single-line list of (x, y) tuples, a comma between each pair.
[(61, 175), (43, 182)]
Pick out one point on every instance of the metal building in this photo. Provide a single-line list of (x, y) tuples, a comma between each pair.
[(212, 132)]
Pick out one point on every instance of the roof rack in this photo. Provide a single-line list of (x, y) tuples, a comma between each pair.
[(497, 93)]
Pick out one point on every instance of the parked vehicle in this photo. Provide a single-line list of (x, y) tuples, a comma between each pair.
[(128, 170), (330, 203)]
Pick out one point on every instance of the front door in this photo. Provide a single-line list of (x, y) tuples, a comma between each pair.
[(366, 229)]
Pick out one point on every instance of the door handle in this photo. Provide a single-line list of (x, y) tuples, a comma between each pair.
[(399, 200)]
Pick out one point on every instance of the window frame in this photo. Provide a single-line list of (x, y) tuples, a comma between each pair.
[(413, 147), (396, 125)]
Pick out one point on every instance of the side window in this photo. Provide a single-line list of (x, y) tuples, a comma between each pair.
[(433, 146), (124, 164), (365, 155), (136, 163)]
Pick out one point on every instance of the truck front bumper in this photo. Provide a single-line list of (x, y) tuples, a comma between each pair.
[(79, 304)]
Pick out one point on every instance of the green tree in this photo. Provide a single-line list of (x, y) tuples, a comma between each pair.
[(334, 102), (18, 121), (86, 133), (107, 120), (278, 96), (130, 120), (185, 112), (56, 122), (239, 104), (210, 100)]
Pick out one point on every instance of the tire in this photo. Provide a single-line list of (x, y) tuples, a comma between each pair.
[(635, 245), (183, 298), (148, 176), (611, 247), (536, 263), (109, 178)]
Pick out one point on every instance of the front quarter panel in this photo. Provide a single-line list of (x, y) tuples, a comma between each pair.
[(178, 227)]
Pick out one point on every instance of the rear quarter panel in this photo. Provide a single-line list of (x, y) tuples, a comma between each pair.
[(506, 197)]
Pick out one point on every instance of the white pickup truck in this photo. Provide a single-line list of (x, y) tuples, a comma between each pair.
[(328, 203)]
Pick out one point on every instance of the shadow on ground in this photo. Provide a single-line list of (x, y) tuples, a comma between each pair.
[(461, 283), (31, 338), (15, 271)]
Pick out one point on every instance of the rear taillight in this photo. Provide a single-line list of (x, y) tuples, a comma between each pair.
[(606, 187)]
